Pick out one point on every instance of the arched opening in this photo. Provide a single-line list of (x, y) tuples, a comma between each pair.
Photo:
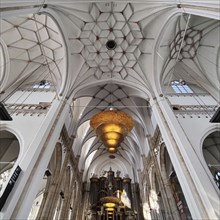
[(9, 151), (211, 152)]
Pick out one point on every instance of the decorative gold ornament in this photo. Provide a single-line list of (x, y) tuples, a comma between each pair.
[(109, 205), (110, 209), (114, 117), (112, 126), (110, 199)]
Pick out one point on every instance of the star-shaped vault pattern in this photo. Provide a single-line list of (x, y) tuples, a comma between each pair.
[(111, 26), (190, 44)]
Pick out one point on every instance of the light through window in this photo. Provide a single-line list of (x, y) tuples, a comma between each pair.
[(180, 87), (43, 84), (217, 178)]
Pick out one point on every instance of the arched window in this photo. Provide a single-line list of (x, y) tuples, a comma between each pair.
[(43, 84), (211, 152), (9, 151), (217, 178), (180, 87)]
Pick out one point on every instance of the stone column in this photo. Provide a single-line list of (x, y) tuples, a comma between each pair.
[(70, 196), (45, 196), (166, 202), (34, 163), (54, 182), (73, 199), (66, 200), (137, 203), (54, 200), (42, 205), (167, 193), (79, 203), (190, 172)]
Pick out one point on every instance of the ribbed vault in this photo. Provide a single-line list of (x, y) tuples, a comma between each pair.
[(155, 44), (89, 147), (191, 52), (33, 50)]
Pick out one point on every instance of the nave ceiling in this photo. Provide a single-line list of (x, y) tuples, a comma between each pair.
[(66, 45)]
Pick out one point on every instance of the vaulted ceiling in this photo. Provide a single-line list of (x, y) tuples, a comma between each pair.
[(66, 44)]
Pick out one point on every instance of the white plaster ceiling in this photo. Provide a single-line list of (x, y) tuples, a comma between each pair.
[(91, 148), (148, 37), (198, 61), (110, 26), (32, 49)]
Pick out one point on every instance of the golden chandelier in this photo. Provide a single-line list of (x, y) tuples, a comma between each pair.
[(111, 126)]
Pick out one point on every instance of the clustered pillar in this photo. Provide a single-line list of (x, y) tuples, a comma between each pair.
[(62, 191)]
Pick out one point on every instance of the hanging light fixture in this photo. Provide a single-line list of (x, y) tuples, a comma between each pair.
[(112, 126)]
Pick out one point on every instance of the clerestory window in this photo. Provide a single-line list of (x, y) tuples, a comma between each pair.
[(43, 84), (180, 87), (217, 178)]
